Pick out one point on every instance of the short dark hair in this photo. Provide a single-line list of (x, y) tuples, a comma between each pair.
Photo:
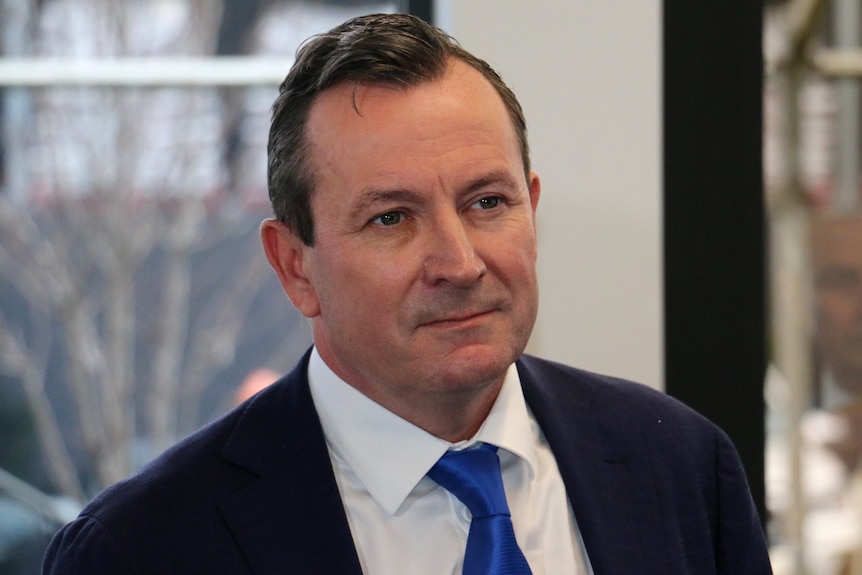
[(382, 49)]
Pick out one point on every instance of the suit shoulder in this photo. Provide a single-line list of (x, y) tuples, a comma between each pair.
[(169, 517), (139, 523), (193, 466), (218, 458), (604, 396)]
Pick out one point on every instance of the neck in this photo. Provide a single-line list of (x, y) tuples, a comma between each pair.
[(455, 417), (452, 416), (452, 410)]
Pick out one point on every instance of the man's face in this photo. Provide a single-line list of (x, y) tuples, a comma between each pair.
[(422, 276), (838, 291)]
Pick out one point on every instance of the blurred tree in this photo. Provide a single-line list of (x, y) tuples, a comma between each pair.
[(135, 271)]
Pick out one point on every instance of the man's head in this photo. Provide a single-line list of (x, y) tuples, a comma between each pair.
[(838, 296), (419, 274), (385, 49)]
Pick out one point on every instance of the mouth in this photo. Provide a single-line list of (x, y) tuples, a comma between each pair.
[(458, 319)]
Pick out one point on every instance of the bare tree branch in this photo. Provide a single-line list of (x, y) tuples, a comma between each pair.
[(28, 364)]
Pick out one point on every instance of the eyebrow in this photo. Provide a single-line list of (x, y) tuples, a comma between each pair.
[(372, 197), (834, 275), (490, 179)]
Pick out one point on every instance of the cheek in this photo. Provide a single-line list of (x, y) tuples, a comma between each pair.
[(517, 265), (364, 287)]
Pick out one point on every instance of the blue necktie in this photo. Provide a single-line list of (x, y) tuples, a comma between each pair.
[(474, 477)]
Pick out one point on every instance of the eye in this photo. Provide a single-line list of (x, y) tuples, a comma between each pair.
[(838, 278), (388, 219), (488, 202)]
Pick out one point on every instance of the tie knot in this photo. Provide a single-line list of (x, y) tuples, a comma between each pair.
[(473, 476)]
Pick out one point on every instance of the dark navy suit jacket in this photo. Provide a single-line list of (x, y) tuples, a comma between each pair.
[(655, 487)]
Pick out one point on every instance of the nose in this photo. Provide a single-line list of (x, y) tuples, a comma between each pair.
[(451, 255)]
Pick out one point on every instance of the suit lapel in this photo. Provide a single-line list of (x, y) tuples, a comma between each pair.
[(605, 466), (291, 519)]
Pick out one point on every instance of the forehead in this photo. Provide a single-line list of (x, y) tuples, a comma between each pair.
[(350, 119)]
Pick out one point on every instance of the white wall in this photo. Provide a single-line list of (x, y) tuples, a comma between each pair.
[(588, 75)]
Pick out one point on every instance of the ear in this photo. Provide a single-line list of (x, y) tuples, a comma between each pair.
[(287, 255), (535, 191)]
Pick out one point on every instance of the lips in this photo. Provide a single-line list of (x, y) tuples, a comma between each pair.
[(453, 308), (455, 319)]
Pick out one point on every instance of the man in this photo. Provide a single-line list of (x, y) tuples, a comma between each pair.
[(405, 230), (831, 448), (837, 267), (838, 299)]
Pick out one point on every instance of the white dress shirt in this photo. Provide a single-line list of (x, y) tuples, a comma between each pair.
[(402, 522)]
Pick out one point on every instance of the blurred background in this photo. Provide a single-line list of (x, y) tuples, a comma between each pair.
[(700, 229), (812, 145)]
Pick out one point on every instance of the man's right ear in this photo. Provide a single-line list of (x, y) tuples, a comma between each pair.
[(287, 255)]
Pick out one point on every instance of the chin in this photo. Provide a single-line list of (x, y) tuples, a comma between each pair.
[(475, 366)]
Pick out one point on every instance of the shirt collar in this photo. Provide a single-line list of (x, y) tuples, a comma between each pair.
[(388, 454)]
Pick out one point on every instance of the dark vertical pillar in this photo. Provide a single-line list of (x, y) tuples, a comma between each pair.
[(422, 8), (715, 324)]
